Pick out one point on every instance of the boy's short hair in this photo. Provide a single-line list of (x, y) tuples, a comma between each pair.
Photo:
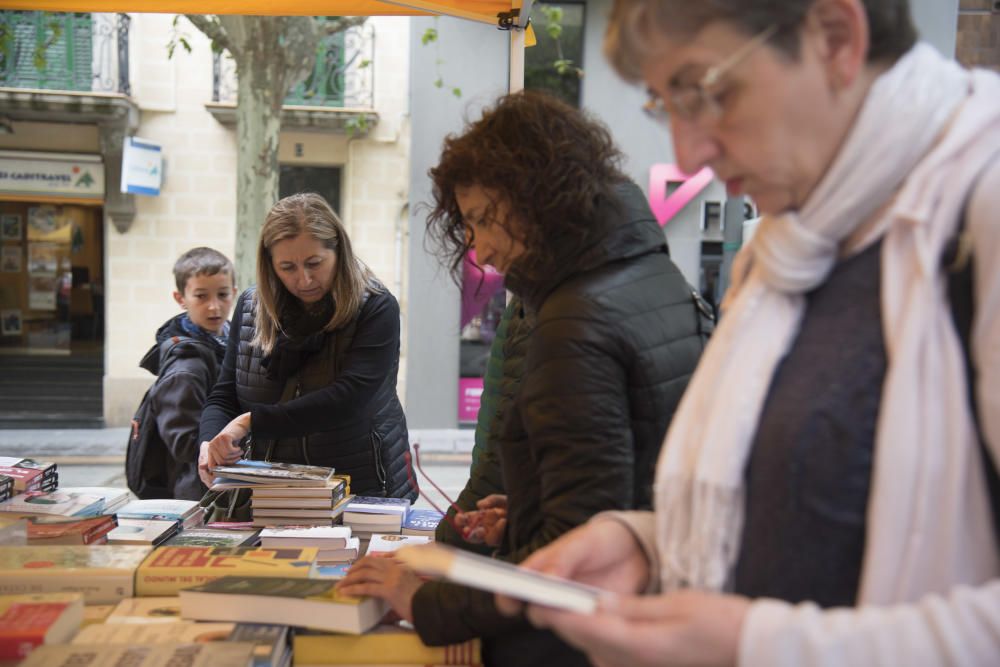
[(200, 261)]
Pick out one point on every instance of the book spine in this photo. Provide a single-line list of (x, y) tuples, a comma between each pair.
[(97, 587)]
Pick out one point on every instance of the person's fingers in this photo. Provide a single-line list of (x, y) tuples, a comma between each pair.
[(363, 590), (641, 607), (508, 606), (492, 501)]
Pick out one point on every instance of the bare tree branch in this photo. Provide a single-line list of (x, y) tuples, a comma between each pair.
[(214, 30), (341, 23)]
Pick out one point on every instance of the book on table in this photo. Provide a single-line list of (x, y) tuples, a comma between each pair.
[(212, 654), (60, 502), (381, 544), (170, 568), (57, 530), (212, 537), (310, 603), (104, 574), (490, 574), (96, 613), (336, 485), (162, 509), (326, 537), (142, 531), (114, 498), (422, 522), (133, 611), (272, 472), (382, 644), (149, 634), (376, 515), (28, 621)]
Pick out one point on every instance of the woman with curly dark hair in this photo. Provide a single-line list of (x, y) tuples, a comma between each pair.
[(535, 189)]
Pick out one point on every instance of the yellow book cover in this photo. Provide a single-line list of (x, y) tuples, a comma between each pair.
[(96, 613), (104, 573), (385, 644), (171, 569)]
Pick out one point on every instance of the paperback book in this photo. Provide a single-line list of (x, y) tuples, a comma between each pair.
[(311, 603), (214, 537), (142, 531), (29, 621), (212, 654), (496, 576), (103, 574), (381, 544), (422, 522), (178, 632), (133, 611), (383, 644), (271, 472), (55, 530), (170, 568)]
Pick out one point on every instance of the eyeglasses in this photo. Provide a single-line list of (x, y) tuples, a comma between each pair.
[(691, 102)]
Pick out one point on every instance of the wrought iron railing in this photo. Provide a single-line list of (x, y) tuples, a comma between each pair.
[(65, 51), (343, 76)]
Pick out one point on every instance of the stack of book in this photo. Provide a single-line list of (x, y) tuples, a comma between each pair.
[(370, 514), (6, 487), (105, 574), (280, 505), (153, 532), (29, 475), (214, 537)]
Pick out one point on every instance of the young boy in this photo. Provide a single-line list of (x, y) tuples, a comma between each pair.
[(187, 355)]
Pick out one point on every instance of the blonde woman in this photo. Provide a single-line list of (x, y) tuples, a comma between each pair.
[(311, 364)]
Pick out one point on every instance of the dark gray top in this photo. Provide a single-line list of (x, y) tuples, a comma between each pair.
[(809, 471)]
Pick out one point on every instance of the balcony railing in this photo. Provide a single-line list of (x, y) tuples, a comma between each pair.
[(342, 78), (65, 51)]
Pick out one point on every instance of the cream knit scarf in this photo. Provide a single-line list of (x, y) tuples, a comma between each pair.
[(925, 131)]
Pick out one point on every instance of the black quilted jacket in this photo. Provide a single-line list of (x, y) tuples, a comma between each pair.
[(616, 338)]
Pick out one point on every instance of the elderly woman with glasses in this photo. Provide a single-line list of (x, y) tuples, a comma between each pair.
[(826, 493)]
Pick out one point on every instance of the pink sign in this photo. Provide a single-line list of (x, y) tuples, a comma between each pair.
[(664, 207), (470, 390)]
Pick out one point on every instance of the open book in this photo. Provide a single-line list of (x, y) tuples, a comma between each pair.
[(497, 576)]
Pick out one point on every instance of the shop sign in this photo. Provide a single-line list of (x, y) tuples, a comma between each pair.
[(142, 167), (52, 174), (470, 391)]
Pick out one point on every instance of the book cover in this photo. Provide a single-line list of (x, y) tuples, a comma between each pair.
[(311, 603), (422, 522), (103, 574), (96, 613), (378, 505), (178, 632), (346, 555), (496, 576), (142, 531), (212, 537), (332, 570), (272, 472), (270, 642), (172, 568), (381, 544), (324, 537), (27, 621), (24, 479), (383, 644), (48, 530), (114, 497), (160, 509), (61, 502), (212, 654), (146, 610)]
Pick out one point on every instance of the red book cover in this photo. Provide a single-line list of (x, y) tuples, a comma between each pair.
[(25, 479), (24, 625)]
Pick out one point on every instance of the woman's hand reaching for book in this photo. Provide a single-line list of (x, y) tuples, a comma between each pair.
[(486, 524), (383, 577), (223, 448), (601, 553)]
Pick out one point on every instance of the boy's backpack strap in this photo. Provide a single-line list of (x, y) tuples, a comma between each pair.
[(958, 261)]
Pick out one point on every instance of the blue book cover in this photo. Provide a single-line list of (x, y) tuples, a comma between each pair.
[(423, 520)]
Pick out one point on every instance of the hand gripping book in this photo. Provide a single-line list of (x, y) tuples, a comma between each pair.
[(27, 621), (490, 574), (170, 569), (310, 603), (104, 574)]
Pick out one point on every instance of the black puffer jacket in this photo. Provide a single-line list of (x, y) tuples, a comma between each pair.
[(339, 409), (177, 399), (617, 336)]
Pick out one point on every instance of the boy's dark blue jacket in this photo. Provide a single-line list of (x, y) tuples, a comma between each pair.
[(178, 397)]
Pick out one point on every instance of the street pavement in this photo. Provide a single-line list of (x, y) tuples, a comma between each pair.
[(96, 457)]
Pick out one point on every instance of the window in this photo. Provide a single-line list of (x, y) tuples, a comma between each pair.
[(324, 181), (555, 63)]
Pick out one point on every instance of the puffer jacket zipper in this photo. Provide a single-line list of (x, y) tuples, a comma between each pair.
[(380, 472)]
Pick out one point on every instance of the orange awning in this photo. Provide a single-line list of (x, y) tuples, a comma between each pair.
[(484, 11)]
